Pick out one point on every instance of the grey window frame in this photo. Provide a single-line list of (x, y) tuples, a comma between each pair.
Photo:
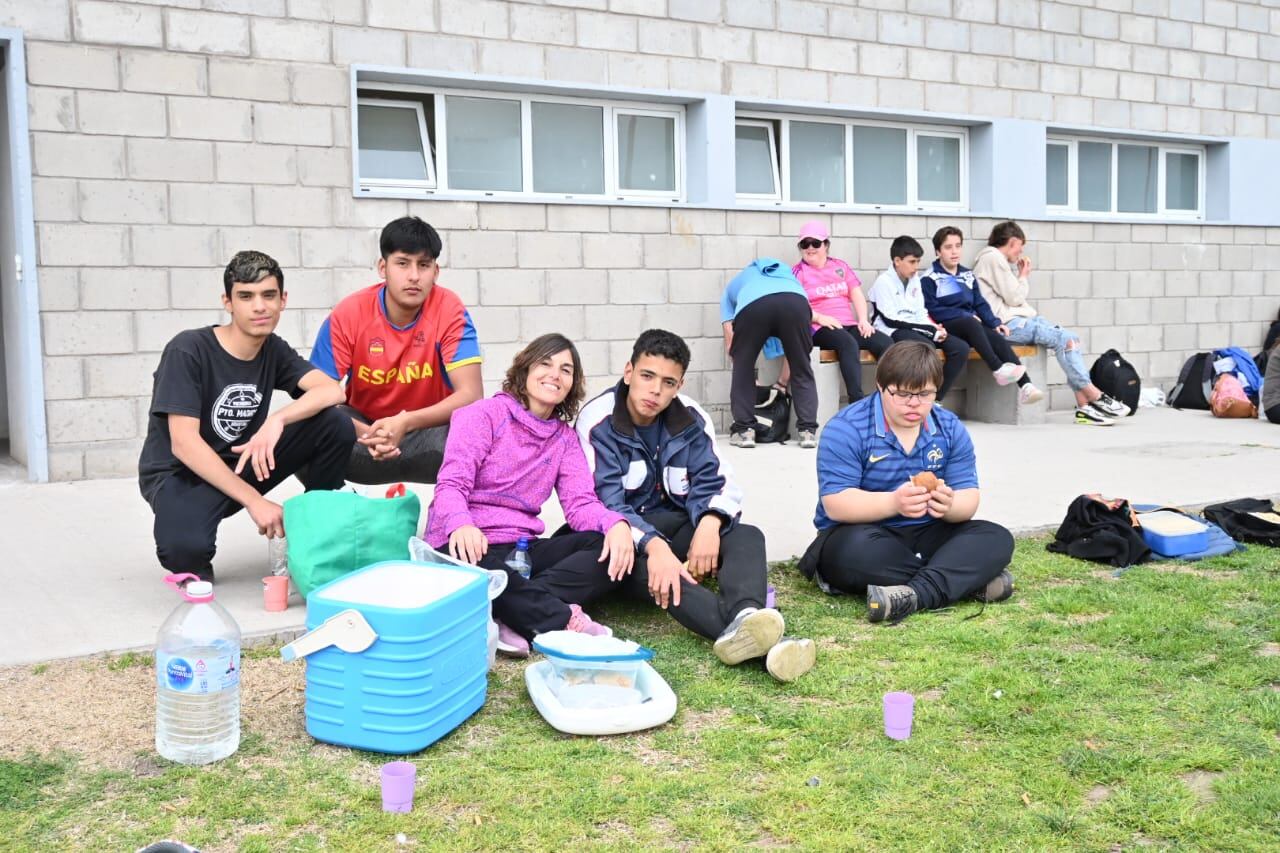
[(914, 130), (1163, 147)]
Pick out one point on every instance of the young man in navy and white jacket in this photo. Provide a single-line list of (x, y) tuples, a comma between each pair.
[(654, 456)]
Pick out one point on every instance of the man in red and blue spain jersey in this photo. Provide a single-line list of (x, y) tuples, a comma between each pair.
[(907, 546), (408, 352)]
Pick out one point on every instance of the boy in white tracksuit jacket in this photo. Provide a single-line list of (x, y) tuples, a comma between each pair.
[(898, 309)]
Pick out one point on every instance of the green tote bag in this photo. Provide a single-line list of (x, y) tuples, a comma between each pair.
[(332, 533)]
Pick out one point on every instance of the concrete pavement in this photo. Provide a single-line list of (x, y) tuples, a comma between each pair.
[(81, 577)]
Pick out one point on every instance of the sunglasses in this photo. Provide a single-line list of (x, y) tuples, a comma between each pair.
[(810, 243)]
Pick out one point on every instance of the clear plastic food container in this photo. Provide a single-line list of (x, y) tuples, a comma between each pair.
[(592, 672)]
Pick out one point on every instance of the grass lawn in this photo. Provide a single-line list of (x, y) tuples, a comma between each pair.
[(1090, 712)]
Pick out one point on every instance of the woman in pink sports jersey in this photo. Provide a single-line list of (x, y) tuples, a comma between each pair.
[(503, 457), (840, 318)]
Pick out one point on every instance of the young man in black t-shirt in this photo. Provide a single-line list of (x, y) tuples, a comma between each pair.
[(211, 445)]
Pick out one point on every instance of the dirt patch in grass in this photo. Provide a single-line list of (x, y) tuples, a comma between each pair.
[(1056, 583), (104, 714), (1097, 794), (1200, 782), (1185, 569), (1075, 618), (697, 721), (1269, 650), (1104, 574)]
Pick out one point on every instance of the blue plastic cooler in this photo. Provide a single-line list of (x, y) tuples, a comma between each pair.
[(424, 674)]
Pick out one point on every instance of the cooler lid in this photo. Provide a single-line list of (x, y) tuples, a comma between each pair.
[(399, 585)]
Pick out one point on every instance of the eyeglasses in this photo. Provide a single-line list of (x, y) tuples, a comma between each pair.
[(810, 243), (912, 396)]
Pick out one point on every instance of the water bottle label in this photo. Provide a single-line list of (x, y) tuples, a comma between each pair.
[(198, 675)]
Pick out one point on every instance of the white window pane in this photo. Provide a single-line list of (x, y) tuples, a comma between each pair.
[(484, 144), (568, 148), (753, 160), (1055, 190), (390, 143), (938, 168), (1182, 181), (646, 153), (879, 165), (1136, 178), (816, 159), (1094, 166)]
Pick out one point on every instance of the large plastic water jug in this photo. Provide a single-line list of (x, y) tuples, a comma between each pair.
[(197, 678), (425, 671)]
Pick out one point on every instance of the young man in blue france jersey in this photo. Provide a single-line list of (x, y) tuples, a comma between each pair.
[(908, 547)]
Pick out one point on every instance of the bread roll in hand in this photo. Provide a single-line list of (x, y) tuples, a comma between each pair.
[(925, 480)]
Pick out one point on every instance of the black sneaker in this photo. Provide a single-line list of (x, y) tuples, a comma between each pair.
[(997, 589), (891, 603)]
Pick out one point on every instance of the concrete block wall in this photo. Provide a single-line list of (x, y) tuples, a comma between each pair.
[(167, 135)]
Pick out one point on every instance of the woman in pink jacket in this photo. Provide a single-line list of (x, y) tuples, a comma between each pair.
[(503, 457)]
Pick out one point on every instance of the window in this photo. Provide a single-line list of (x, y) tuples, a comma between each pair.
[(502, 144), (394, 146), (1132, 179), (756, 160), (646, 153), (850, 162)]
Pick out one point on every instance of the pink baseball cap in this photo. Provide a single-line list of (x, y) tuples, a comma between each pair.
[(815, 229)]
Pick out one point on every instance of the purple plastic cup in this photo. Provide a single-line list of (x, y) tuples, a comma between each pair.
[(898, 710), (771, 598), (398, 779)]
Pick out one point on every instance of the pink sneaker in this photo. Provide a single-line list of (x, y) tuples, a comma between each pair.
[(584, 624), (511, 644)]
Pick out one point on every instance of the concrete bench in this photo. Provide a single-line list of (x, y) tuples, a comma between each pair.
[(975, 396)]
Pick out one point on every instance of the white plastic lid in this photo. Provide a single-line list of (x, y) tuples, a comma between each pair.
[(400, 585), (572, 644), (199, 589)]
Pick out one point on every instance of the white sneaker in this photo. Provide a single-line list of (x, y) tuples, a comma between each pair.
[(1089, 416), (743, 439), (1111, 407), (790, 658), (1029, 394), (1009, 372), (751, 634), (807, 439)]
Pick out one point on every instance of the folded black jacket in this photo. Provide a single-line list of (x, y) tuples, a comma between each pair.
[(1102, 531)]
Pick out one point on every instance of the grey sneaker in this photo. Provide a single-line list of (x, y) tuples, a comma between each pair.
[(750, 635), (891, 603), (998, 588), (743, 439), (790, 658), (808, 439)]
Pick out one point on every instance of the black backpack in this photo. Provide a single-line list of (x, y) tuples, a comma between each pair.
[(1247, 520), (1195, 383), (1117, 378), (773, 412)]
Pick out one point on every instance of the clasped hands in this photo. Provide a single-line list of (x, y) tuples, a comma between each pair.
[(383, 436), (914, 501)]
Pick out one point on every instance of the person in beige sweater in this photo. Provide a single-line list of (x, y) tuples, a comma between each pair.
[(1003, 271)]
